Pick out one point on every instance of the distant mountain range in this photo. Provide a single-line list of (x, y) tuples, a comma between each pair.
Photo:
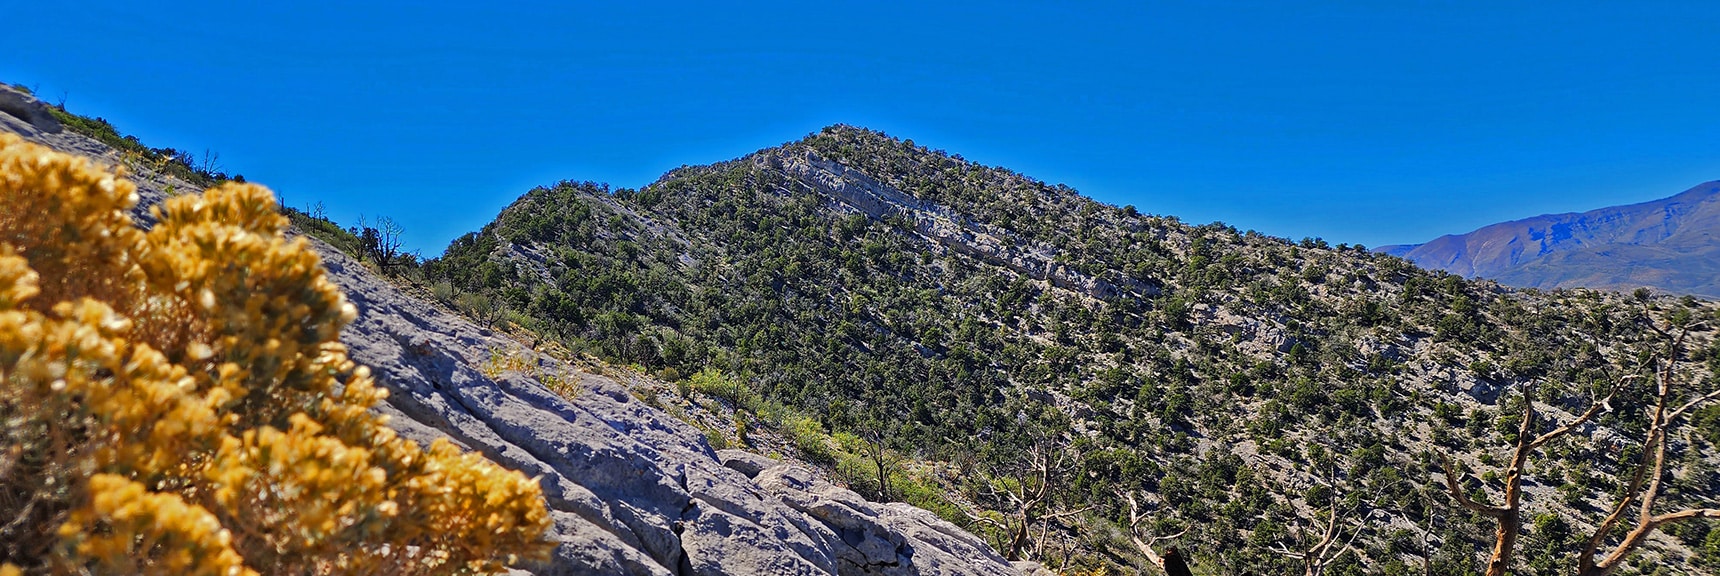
[(1671, 244)]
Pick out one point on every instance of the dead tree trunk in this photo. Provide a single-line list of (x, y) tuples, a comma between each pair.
[(1172, 561), (1650, 469), (1027, 493), (1508, 515), (1330, 544)]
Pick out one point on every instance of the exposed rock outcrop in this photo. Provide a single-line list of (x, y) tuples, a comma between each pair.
[(945, 227), (633, 490), (31, 111), (884, 539)]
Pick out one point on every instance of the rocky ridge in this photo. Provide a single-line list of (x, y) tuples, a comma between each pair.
[(632, 490), (1263, 370)]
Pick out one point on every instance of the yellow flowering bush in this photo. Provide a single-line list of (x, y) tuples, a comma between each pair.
[(177, 401)]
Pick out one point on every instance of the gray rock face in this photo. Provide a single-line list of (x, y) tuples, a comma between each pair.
[(631, 489), (945, 227), (884, 539), (28, 109)]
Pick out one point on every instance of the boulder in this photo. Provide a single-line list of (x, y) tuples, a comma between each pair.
[(873, 538)]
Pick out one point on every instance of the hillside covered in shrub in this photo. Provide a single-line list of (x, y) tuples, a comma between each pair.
[(1086, 384)]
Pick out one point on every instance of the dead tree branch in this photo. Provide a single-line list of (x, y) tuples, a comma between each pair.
[(1330, 545), (1650, 470), (1136, 515), (1508, 515), (1025, 493)]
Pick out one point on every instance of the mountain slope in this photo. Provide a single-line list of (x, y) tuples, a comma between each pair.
[(631, 489), (1671, 244), (965, 322)]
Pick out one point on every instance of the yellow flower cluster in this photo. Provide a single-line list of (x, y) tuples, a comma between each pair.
[(177, 401)]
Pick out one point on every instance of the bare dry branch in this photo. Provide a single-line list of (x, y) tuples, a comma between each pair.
[(1025, 493), (1145, 546), (1693, 403), (1595, 409), (1456, 488), (1681, 515), (1651, 468)]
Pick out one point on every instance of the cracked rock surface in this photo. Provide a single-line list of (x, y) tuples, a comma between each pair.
[(886, 539), (633, 490)]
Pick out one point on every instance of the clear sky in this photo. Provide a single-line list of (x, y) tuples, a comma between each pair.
[(1361, 122)]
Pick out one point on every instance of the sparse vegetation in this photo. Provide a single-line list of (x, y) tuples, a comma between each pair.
[(182, 164)]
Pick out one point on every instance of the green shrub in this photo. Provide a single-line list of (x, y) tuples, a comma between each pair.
[(810, 439)]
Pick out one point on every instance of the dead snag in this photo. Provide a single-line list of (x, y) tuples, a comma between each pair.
[(1172, 562), (1330, 544), (1026, 493), (1509, 514), (1645, 483)]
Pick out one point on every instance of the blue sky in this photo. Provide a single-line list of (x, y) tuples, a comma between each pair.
[(1363, 122)]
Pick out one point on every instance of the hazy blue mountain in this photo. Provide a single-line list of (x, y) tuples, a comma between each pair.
[(1668, 244)]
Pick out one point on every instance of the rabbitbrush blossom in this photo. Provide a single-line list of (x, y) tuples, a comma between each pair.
[(177, 400)]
